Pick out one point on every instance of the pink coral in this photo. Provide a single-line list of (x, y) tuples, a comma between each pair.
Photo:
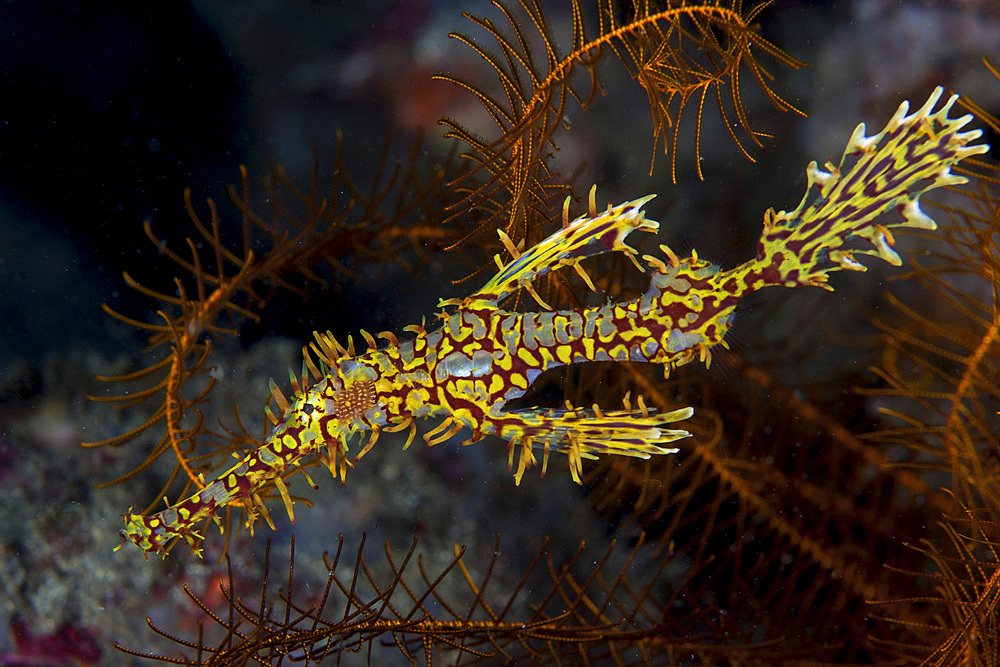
[(68, 645)]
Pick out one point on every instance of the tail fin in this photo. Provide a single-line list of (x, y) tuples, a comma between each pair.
[(836, 218)]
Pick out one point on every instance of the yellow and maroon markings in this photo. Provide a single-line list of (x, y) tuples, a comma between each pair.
[(483, 356)]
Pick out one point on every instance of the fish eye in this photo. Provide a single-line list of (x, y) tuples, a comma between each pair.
[(308, 408)]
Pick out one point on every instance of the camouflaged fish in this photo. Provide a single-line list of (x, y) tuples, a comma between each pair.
[(482, 357)]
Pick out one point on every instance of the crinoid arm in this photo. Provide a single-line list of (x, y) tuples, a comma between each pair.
[(588, 235), (877, 174), (581, 434)]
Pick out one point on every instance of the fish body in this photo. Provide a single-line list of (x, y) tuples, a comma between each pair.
[(481, 357)]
